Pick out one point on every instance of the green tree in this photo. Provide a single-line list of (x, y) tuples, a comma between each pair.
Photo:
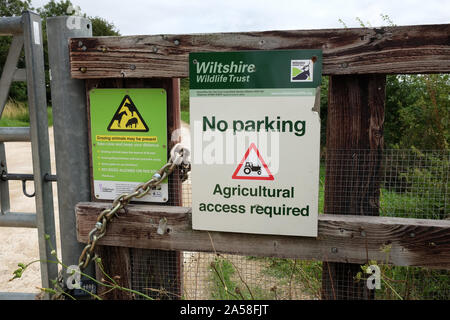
[(424, 121), (53, 9), (100, 27), (10, 8)]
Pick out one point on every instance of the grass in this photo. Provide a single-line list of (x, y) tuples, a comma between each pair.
[(227, 285), (16, 114), (185, 116)]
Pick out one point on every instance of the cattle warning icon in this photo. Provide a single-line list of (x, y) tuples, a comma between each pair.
[(127, 118), (252, 166)]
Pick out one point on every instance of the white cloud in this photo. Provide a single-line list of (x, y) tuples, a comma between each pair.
[(181, 16)]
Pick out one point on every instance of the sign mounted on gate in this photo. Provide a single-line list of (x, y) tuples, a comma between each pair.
[(255, 132), (128, 141)]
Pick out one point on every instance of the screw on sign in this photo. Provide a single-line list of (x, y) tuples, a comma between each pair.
[(256, 132)]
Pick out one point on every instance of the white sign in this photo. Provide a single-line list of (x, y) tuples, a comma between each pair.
[(256, 147)]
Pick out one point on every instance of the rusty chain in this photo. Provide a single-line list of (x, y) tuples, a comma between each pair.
[(178, 158)]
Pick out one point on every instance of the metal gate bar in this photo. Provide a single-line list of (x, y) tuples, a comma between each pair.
[(71, 133), (27, 34)]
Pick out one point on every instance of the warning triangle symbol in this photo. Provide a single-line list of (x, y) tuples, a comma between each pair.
[(252, 166), (127, 118)]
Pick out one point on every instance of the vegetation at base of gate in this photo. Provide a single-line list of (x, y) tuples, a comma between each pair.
[(110, 283), (408, 283), (306, 273), (413, 283), (397, 283), (227, 283)]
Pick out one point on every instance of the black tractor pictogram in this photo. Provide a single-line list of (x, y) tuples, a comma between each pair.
[(250, 167)]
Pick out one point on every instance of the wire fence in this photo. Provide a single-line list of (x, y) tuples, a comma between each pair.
[(396, 183)]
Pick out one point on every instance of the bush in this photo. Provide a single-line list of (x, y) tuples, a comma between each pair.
[(416, 184)]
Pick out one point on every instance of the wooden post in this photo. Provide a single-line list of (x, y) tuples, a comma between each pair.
[(353, 162), (128, 265)]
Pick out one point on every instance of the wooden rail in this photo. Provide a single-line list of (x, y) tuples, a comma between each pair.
[(350, 239), (384, 50)]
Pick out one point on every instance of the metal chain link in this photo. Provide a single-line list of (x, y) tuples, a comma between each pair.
[(178, 158)]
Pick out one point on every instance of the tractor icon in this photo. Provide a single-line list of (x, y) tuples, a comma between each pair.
[(250, 167)]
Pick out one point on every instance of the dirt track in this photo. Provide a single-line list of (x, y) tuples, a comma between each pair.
[(21, 244)]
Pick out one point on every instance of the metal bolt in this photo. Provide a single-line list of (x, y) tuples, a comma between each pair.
[(132, 67), (176, 42), (84, 48), (344, 65), (80, 44), (341, 230), (83, 69), (363, 233), (162, 226), (155, 49), (194, 61), (412, 234), (334, 250)]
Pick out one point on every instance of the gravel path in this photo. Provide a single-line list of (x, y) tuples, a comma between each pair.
[(21, 244)]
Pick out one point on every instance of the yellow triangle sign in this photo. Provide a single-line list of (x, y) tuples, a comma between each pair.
[(127, 118)]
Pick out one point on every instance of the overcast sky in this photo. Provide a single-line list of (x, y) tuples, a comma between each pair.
[(193, 16)]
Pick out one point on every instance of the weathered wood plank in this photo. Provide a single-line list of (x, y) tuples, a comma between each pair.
[(353, 239), (384, 50), (117, 265), (353, 167)]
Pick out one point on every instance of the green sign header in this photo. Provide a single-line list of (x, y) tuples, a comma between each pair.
[(255, 69)]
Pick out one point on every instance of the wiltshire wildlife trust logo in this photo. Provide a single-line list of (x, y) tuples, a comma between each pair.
[(302, 70)]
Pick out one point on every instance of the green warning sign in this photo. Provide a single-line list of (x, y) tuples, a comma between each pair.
[(128, 140)]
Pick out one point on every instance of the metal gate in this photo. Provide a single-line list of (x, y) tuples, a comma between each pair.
[(26, 32)]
